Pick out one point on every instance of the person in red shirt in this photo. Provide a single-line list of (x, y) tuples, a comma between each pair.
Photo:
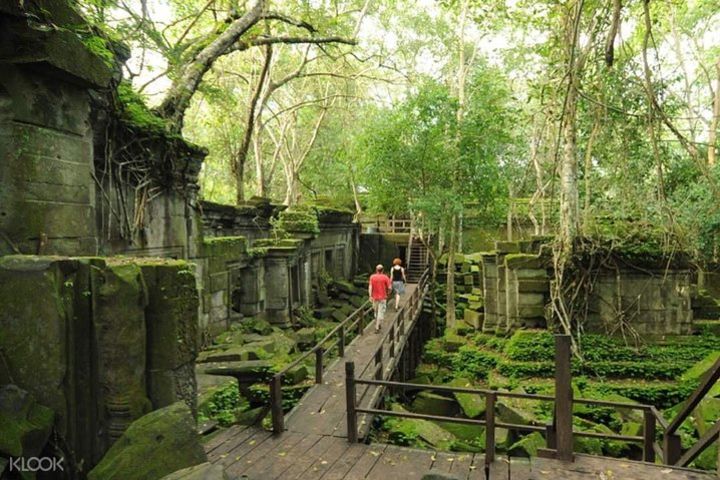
[(378, 290)]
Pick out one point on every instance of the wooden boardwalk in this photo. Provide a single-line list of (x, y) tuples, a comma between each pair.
[(315, 446), (252, 453), (322, 411)]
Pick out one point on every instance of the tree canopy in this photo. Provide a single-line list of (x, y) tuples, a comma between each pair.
[(583, 112)]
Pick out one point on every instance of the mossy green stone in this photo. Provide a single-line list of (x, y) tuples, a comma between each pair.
[(464, 431), (528, 445), (153, 446), (472, 405), (433, 404), (24, 424)]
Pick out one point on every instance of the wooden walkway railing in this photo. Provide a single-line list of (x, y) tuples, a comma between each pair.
[(559, 434), (335, 339), (671, 440)]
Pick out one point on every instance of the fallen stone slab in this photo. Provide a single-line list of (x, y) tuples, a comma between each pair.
[(153, 446), (24, 424), (250, 371)]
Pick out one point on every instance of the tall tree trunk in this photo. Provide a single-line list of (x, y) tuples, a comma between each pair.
[(454, 221), (293, 184), (177, 100), (586, 172), (450, 318), (712, 134), (569, 199), (259, 166), (241, 157), (569, 214)]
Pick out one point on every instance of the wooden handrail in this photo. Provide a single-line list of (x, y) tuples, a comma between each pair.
[(355, 319), (672, 447), (704, 442), (707, 382), (650, 414)]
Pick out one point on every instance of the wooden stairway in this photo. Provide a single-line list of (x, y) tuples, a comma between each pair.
[(417, 259)]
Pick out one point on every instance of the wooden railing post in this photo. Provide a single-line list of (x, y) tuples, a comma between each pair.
[(672, 449), (319, 365), (361, 322), (392, 341), (378, 361), (550, 436), (341, 341), (648, 436), (489, 429), (276, 408), (350, 396), (563, 398)]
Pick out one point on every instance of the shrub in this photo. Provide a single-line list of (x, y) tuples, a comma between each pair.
[(472, 362)]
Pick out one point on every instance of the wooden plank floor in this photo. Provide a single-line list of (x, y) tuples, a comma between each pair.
[(322, 409), (315, 444), (260, 455)]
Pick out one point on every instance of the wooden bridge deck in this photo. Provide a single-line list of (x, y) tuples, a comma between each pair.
[(315, 446), (322, 410), (255, 454)]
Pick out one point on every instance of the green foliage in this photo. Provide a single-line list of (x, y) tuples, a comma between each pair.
[(530, 345), (411, 165), (99, 46), (296, 220), (223, 405), (135, 111), (473, 363)]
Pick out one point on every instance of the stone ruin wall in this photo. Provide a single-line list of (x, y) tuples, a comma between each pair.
[(244, 275), (651, 303), (103, 339)]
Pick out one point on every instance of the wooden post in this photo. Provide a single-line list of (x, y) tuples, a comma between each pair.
[(278, 417), (361, 322), (341, 341), (350, 396), (319, 365), (392, 341), (550, 436), (672, 449), (563, 398), (648, 436), (489, 428), (379, 361)]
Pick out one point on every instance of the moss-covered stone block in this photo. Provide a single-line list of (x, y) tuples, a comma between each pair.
[(528, 445), (433, 404), (251, 416), (120, 335), (247, 372), (695, 373), (305, 338), (518, 410), (36, 299), (225, 247), (171, 319), (25, 425), (405, 430), (296, 375), (153, 446), (472, 405), (464, 431)]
